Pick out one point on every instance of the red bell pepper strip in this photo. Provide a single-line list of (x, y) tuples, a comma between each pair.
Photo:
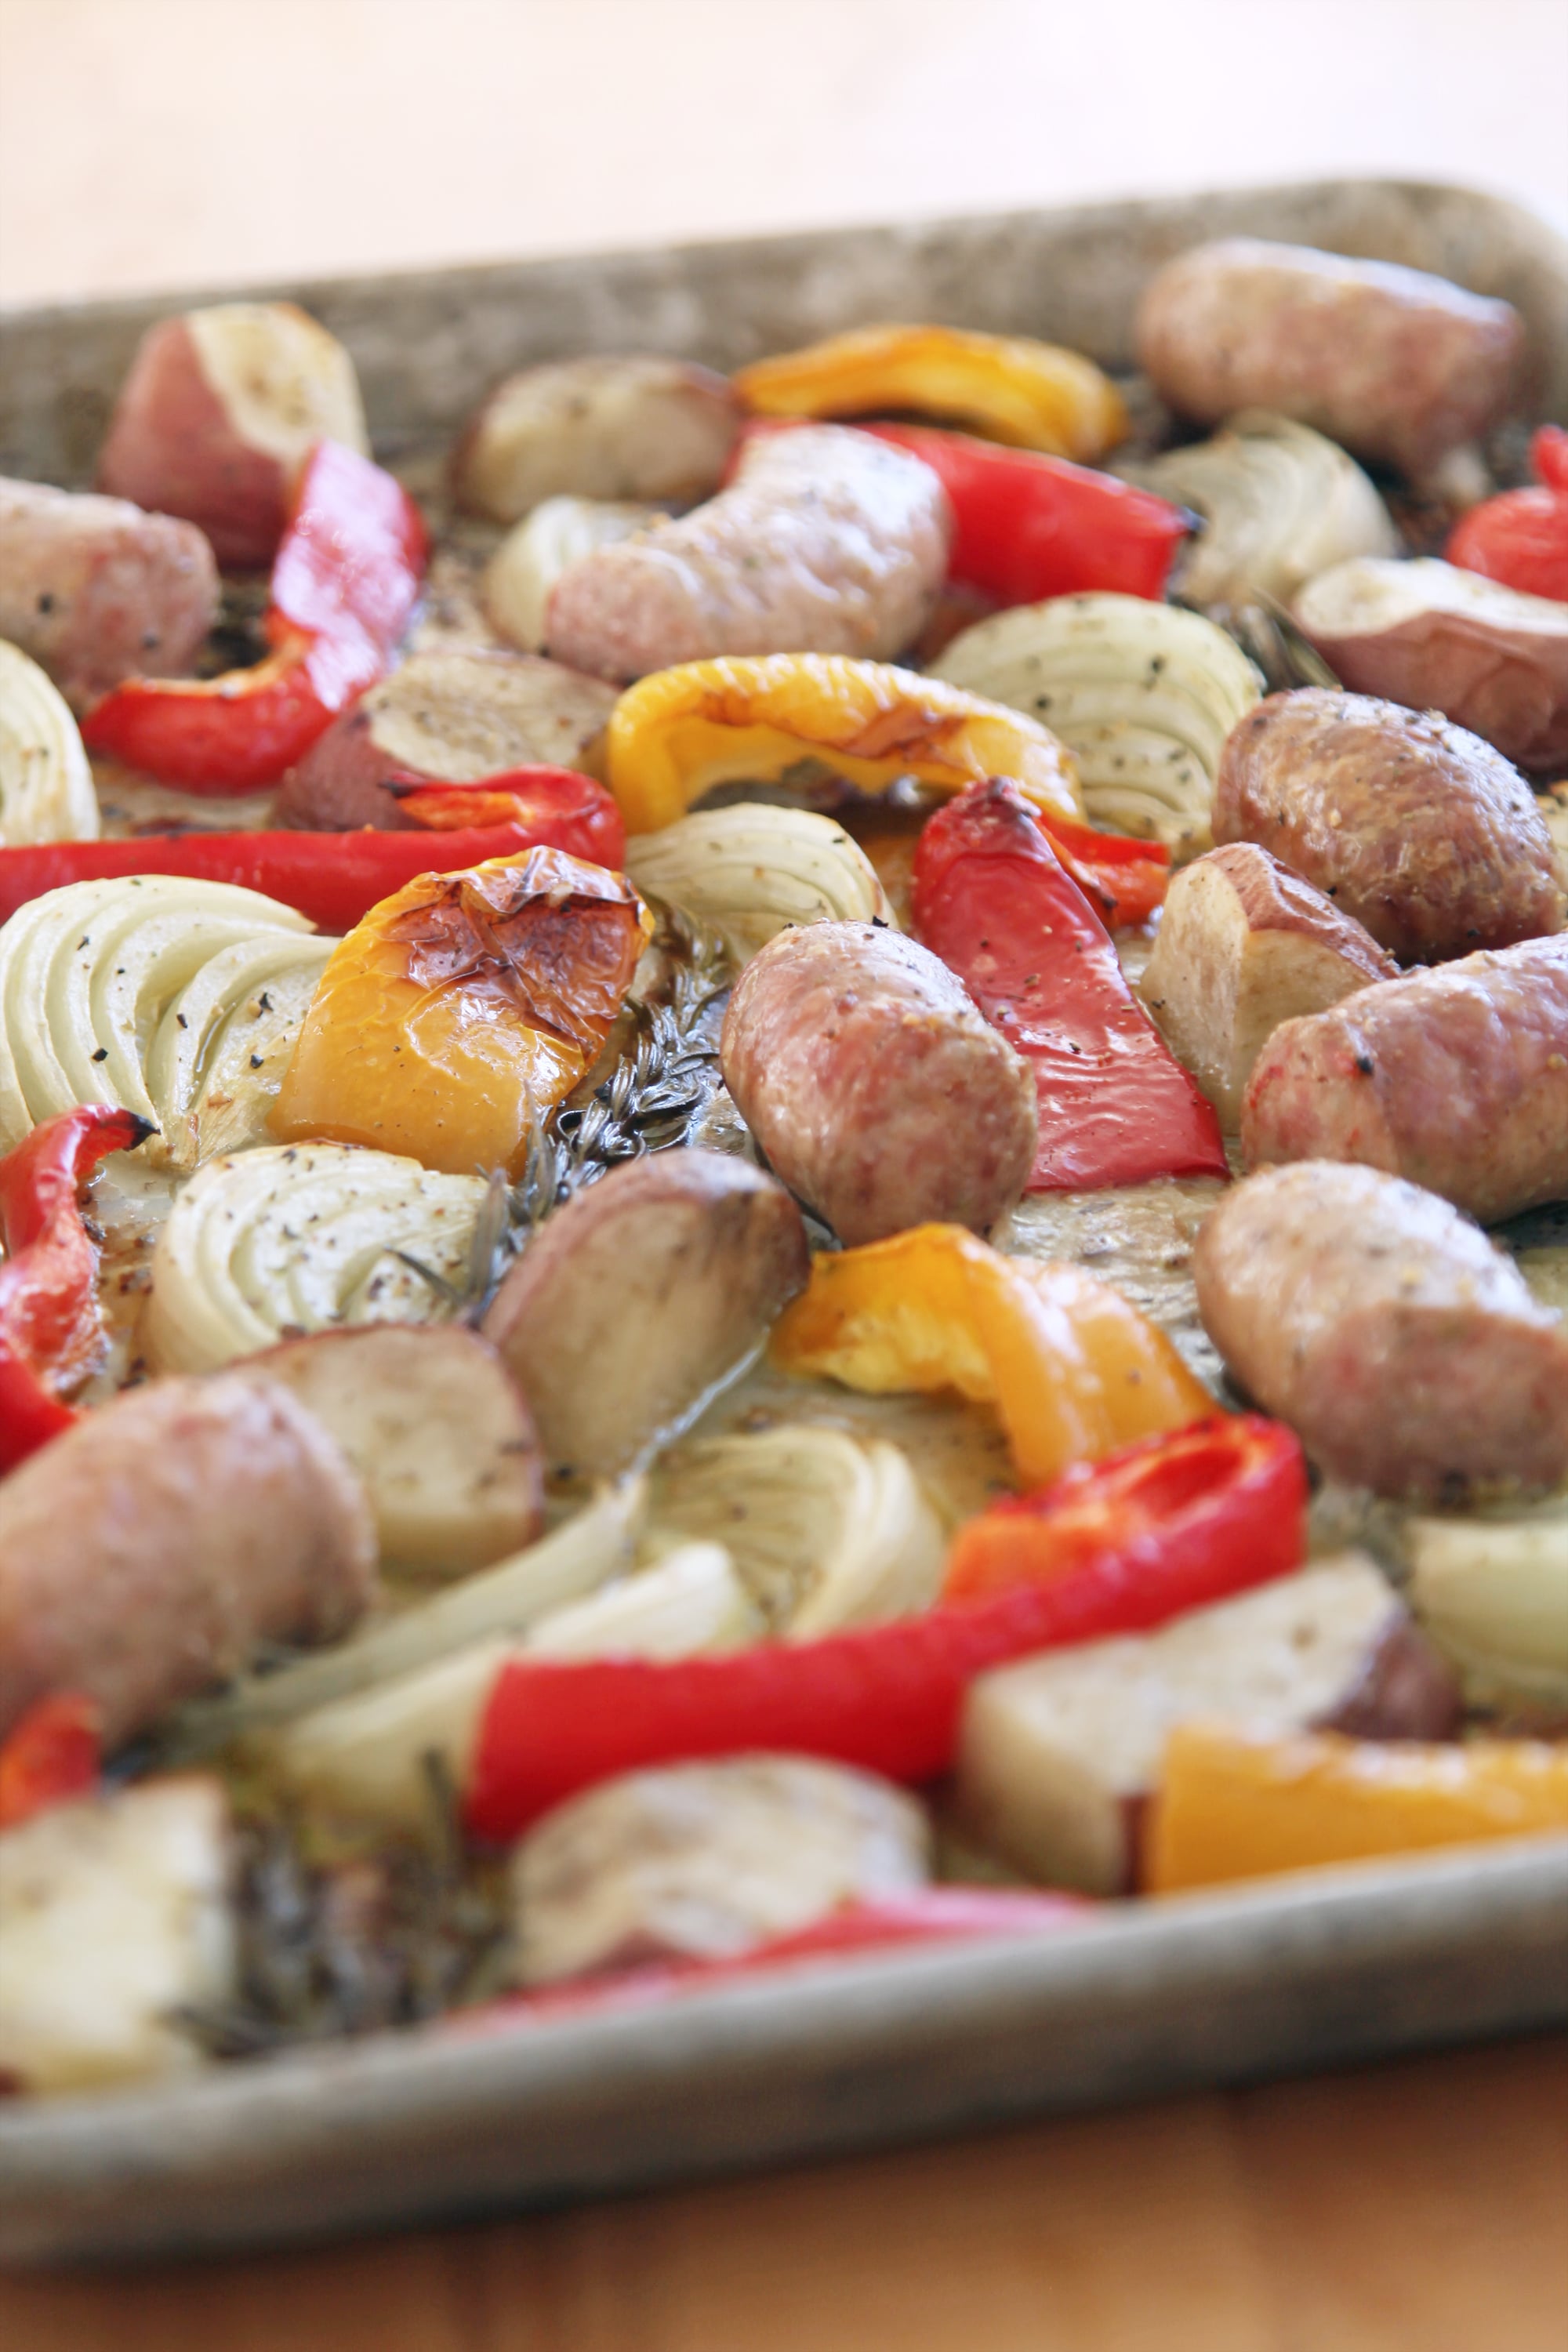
[(51, 1754), (887, 1697), (992, 900), (49, 1328), (1233, 1485), (334, 878), (558, 807), (935, 1915), (1520, 538), (344, 585), (1027, 526)]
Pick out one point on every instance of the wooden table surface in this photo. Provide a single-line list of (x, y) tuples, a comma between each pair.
[(1417, 2207)]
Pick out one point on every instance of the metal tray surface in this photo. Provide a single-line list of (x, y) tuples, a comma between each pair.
[(1309, 1971)]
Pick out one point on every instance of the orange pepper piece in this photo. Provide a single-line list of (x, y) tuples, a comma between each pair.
[(462, 1007), (748, 717), (1235, 1806), (1030, 395), (1073, 1372)]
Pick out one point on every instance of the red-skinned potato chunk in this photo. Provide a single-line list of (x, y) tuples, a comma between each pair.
[(640, 1295), (628, 426), (1406, 1351), (218, 413), (1437, 638), (147, 1551), (1456, 1079), (1243, 945), (437, 1429), (1416, 829), (445, 717), (1062, 1753), (95, 590)]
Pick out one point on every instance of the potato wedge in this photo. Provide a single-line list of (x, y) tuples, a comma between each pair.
[(1437, 638), (443, 718), (1245, 944), (611, 427), (436, 1428), (218, 413), (640, 1297)]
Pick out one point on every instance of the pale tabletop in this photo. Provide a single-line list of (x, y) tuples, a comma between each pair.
[(1421, 2207)]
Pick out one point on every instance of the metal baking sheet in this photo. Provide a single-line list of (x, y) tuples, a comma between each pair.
[(1325, 1966)]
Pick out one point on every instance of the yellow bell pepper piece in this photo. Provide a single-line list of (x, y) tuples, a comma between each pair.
[(1231, 1805), (462, 1007), (1072, 1370), (676, 734), (1031, 395)]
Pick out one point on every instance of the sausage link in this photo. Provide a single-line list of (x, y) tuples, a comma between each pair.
[(97, 591), (1405, 1350), (822, 545), (145, 1552), (1399, 366), (1456, 1079), (1421, 831), (877, 1092)]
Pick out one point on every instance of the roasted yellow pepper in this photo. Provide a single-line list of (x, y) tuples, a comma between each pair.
[(462, 1007), (1234, 1806), (1029, 395), (675, 735), (1073, 1372)]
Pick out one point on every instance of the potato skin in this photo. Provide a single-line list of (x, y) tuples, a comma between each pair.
[(1456, 1079), (453, 718), (96, 591), (146, 1551), (1419, 831), (601, 426), (1492, 661), (827, 541), (179, 441), (1404, 1350), (1397, 365), (641, 1292), (874, 1086)]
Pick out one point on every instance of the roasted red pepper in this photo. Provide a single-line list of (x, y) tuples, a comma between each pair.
[(51, 1754), (886, 1698), (1027, 526), (343, 588), (994, 901), (936, 1914), (558, 808), (1521, 537), (1225, 1490), (336, 879), (49, 1328)]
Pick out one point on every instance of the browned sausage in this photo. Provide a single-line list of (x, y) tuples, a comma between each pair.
[(96, 591), (145, 1552), (877, 1090), (1422, 833), (1457, 1078), (451, 718), (1405, 1350), (1398, 365), (821, 546)]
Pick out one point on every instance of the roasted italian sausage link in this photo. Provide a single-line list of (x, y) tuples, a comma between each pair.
[(875, 1088), (1420, 831), (1400, 366), (1381, 1324), (147, 1551), (97, 591), (1456, 1079), (827, 542)]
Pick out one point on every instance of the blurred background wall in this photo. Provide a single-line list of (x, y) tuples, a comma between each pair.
[(148, 143)]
